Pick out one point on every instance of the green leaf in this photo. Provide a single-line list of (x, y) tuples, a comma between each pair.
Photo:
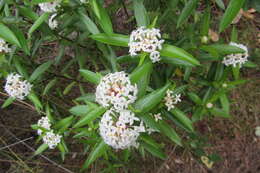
[(141, 76), (195, 98), (99, 149), (224, 102), (222, 49), (34, 98), (250, 64), (38, 23), (157, 152), (69, 87), (232, 10), (149, 140), (112, 39), (41, 149), (182, 118), (220, 4), (49, 86), (149, 121), (20, 36), (80, 110), (170, 132), (63, 124), (205, 22), (90, 117), (149, 101), (102, 16), (8, 35), (40, 70), (89, 24), (90, 76), (186, 12), (140, 13), (219, 113), (7, 102), (28, 12), (175, 52)]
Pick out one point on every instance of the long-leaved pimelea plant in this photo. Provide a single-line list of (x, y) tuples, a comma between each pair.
[(168, 76)]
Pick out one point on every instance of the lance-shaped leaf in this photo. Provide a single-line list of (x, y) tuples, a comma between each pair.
[(7, 102), (175, 52), (219, 113), (41, 149), (102, 16), (38, 23), (149, 101), (186, 12), (88, 23), (141, 77), (90, 76), (80, 110), (168, 131), (157, 152), (222, 49), (232, 10), (8, 35), (195, 98), (182, 118), (90, 117), (63, 124), (99, 149), (40, 70), (140, 13), (36, 101), (112, 39)]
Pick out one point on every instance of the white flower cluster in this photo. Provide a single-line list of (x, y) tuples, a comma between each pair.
[(49, 7), (44, 122), (238, 58), (4, 47), (147, 40), (17, 88), (51, 139), (171, 100), (115, 89), (120, 129)]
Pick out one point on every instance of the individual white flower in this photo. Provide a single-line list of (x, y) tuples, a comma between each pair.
[(209, 105), (4, 47), (83, 1), (44, 122), (155, 56), (53, 23), (157, 117), (121, 129), (257, 131), (17, 88), (224, 85), (171, 100), (238, 58), (52, 139), (115, 89), (49, 7), (147, 40)]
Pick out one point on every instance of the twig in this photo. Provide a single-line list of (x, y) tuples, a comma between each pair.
[(16, 143)]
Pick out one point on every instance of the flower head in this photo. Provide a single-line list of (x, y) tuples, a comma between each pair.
[(53, 23), (4, 47), (44, 122), (238, 58), (49, 7), (171, 100), (147, 40), (16, 87), (115, 89), (52, 139), (121, 129)]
